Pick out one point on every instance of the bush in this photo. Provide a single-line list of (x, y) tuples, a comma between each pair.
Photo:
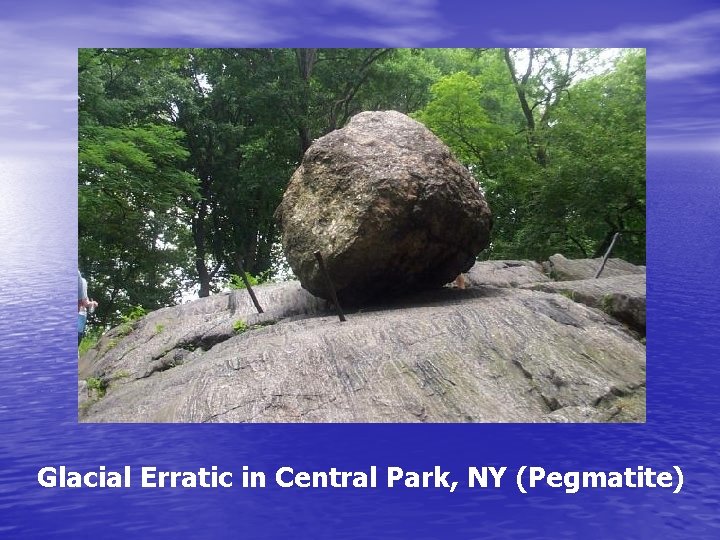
[(89, 340), (99, 386), (135, 313), (240, 326), (236, 281)]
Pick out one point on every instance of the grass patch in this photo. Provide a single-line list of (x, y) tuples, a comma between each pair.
[(240, 326), (129, 319), (134, 314), (606, 303), (88, 341), (568, 294), (124, 329), (97, 385), (122, 374), (159, 328)]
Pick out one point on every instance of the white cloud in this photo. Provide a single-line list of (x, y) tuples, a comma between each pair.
[(663, 66), (396, 23), (390, 36), (39, 69), (405, 10), (691, 144), (221, 22), (29, 150), (35, 126), (24, 93), (23, 124), (676, 50), (683, 124)]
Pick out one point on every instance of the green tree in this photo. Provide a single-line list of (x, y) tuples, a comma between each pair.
[(131, 186), (558, 148), (597, 180)]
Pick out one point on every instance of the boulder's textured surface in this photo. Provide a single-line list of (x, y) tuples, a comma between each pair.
[(560, 268), (388, 207), (621, 297), (484, 354)]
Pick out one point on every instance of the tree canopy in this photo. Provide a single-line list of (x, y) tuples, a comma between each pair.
[(184, 153)]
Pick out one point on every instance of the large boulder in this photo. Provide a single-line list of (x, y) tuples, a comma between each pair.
[(388, 207)]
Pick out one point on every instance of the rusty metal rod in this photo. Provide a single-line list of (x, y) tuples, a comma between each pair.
[(248, 287), (330, 286), (607, 254)]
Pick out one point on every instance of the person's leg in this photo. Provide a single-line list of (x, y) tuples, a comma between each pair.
[(82, 319)]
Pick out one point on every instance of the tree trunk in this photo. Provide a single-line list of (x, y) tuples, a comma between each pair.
[(199, 238), (537, 150), (306, 62)]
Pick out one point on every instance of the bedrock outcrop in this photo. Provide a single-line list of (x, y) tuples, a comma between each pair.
[(494, 352)]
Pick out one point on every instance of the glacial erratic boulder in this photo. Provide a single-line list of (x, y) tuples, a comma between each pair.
[(387, 205)]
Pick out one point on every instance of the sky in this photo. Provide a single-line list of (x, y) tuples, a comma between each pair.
[(39, 41)]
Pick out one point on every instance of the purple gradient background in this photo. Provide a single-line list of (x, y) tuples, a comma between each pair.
[(38, 258)]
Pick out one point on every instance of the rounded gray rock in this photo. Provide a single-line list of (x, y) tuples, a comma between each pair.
[(387, 205)]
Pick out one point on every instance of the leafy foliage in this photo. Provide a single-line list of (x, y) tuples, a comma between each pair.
[(236, 281), (569, 176), (89, 340), (98, 386), (240, 326), (137, 312), (133, 190)]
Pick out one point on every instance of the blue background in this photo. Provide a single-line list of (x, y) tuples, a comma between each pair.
[(38, 261)]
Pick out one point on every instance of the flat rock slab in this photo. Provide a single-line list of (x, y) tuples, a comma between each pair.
[(171, 336), (477, 355), (505, 273), (621, 297), (562, 269)]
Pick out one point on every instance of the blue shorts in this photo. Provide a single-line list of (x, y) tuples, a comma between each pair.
[(82, 319)]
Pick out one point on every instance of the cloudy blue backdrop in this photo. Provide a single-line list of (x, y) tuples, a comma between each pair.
[(38, 227)]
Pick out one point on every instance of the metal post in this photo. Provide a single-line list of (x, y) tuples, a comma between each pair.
[(248, 287), (607, 254), (330, 286)]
